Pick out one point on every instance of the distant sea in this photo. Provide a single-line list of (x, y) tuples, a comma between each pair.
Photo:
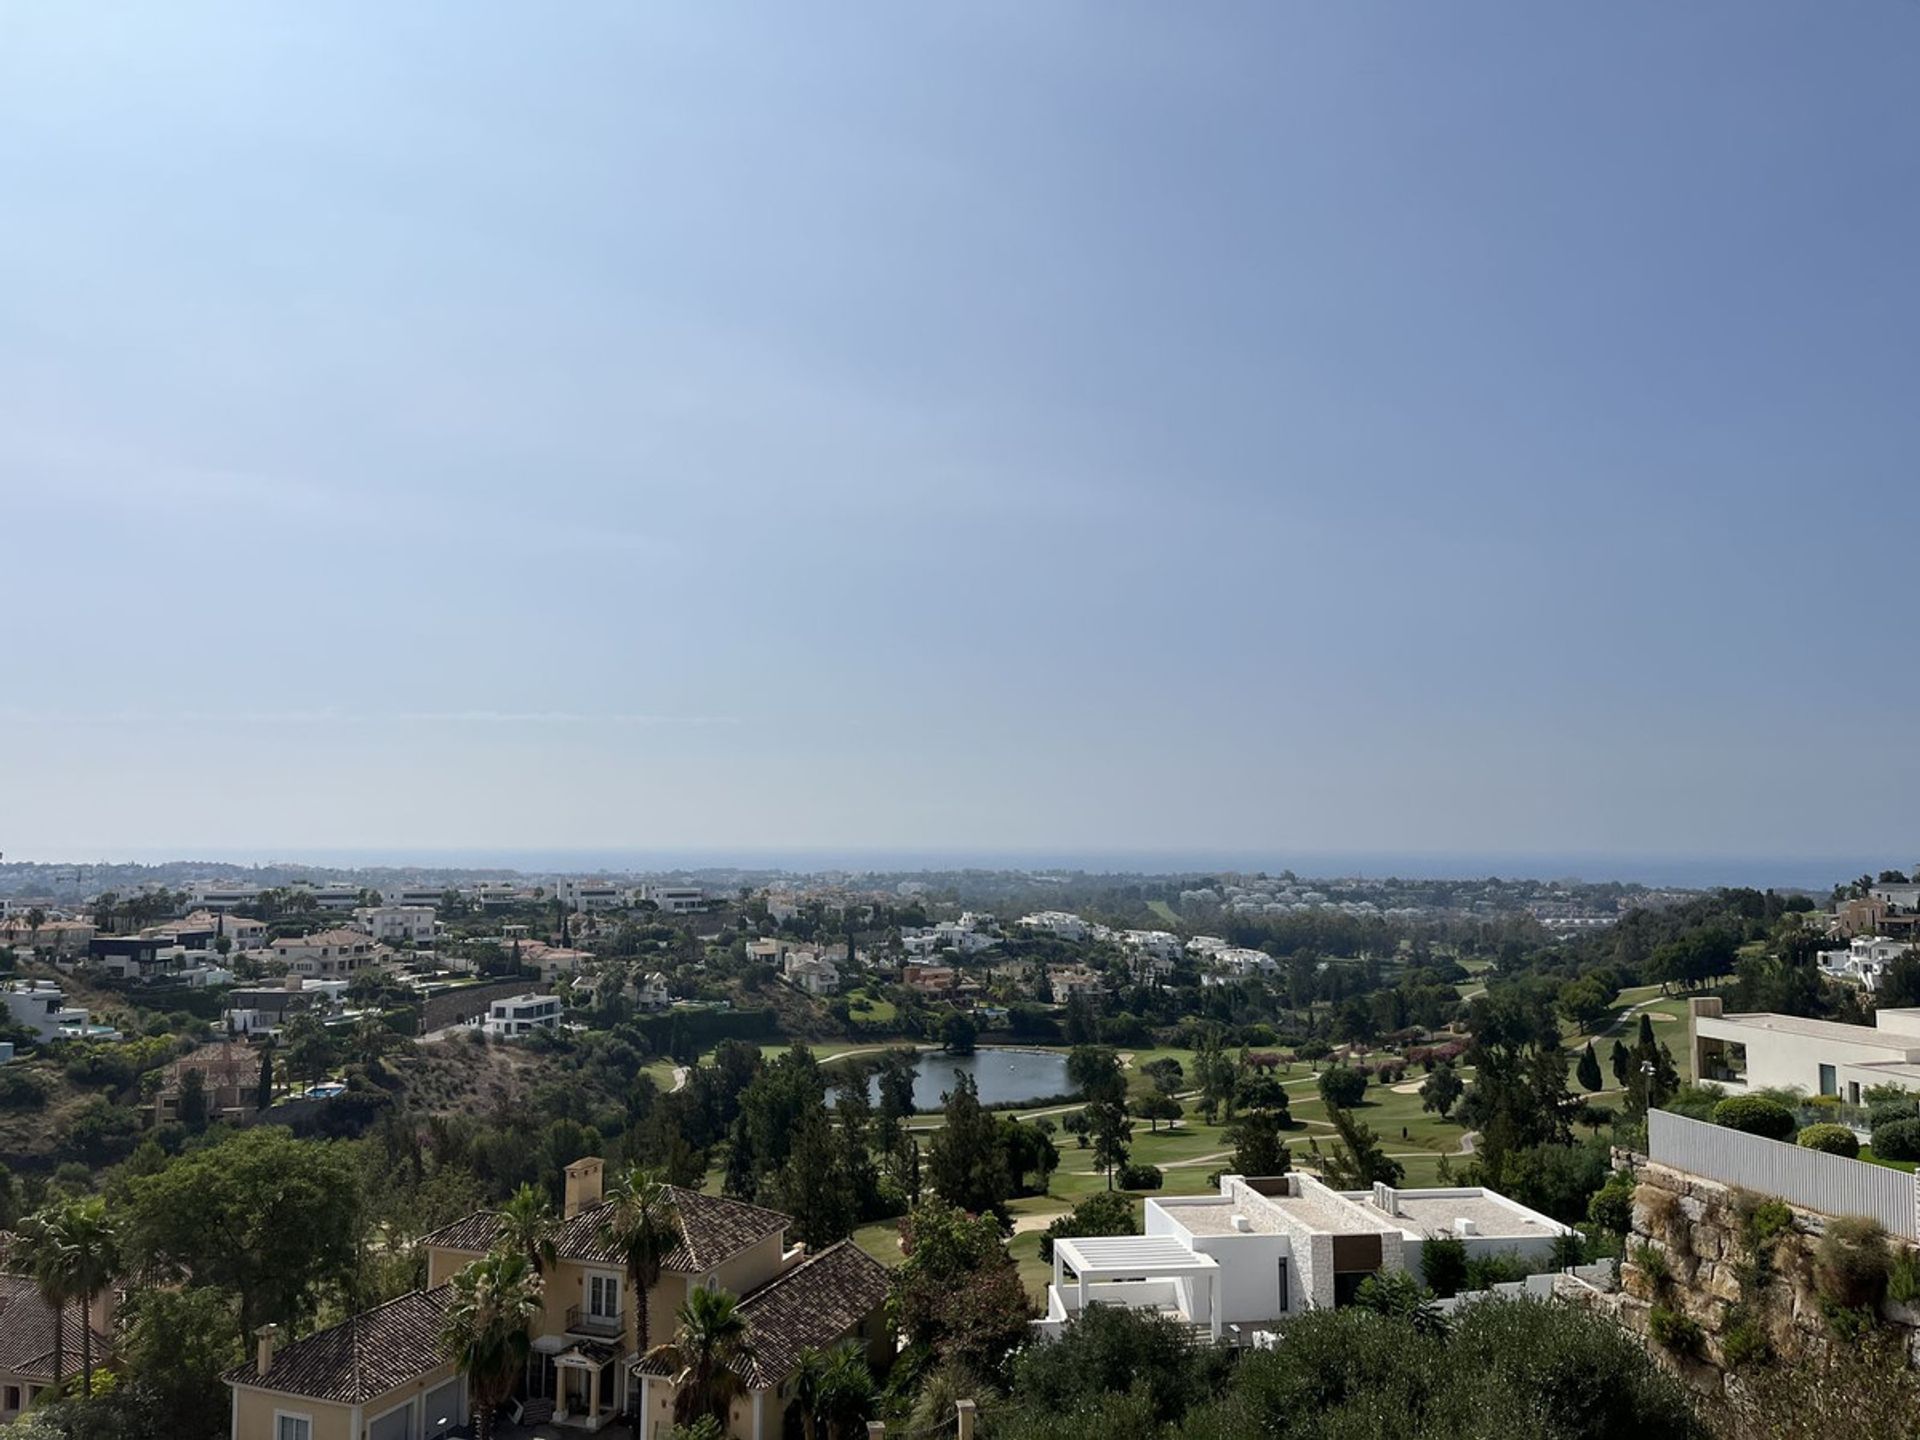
[(1818, 873)]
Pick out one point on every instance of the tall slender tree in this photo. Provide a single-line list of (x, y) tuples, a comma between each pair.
[(642, 1227), (495, 1303)]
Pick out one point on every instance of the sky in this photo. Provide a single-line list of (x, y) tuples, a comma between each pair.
[(1256, 428)]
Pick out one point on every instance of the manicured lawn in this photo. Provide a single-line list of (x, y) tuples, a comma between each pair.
[(1164, 911), (881, 1240), (872, 1011), (1866, 1154)]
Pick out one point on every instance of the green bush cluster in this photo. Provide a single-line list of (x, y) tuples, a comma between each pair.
[(1755, 1115), (1897, 1140), (1676, 1332), (1830, 1140)]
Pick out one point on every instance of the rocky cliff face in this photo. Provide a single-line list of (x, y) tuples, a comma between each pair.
[(1736, 1294)]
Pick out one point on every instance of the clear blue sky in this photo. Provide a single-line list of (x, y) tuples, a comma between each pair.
[(1422, 427)]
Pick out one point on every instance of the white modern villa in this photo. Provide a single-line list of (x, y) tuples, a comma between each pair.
[(1820, 1057), (1241, 1262)]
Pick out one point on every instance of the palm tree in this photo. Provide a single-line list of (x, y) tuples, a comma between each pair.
[(642, 1227), (495, 1302), (708, 1355), (834, 1391), (44, 1259), (527, 1224), (92, 1245)]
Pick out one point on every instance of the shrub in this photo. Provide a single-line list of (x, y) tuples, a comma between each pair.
[(1673, 1331), (1743, 1340), (1755, 1115), (1851, 1265), (22, 1090), (1486, 1271), (1138, 1177), (1611, 1208), (1762, 1222), (1652, 1263), (1443, 1263), (1897, 1140), (1830, 1140), (1568, 1250), (1903, 1276), (1887, 1111)]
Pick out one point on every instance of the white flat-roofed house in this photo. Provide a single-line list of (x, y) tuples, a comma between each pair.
[(519, 1015), (393, 924), (1263, 1250), (1059, 923), (41, 1006), (216, 896), (1762, 1050), (677, 899), (1865, 959), (1234, 962), (593, 895)]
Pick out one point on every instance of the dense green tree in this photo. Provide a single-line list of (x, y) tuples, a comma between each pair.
[(959, 1033), (1258, 1146), (266, 1218), (1094, 1071), (1588, 1070), (965, 1163), (1342, 1086), (1442, 1090), (958, 1292), (1355, 1158)]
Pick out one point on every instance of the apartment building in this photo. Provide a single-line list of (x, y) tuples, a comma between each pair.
[(1058, 923), (213, 895), (1760, 1050), (383, 1376), (1243, 1262)]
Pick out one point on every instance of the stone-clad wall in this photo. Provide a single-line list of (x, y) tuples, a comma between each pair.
[(1696, 1225)]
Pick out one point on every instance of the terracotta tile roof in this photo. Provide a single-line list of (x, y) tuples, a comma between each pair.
[(712, 1230), (26, 1332), (231, 1062), (362, 1358), (334, 938), (811, 1306)]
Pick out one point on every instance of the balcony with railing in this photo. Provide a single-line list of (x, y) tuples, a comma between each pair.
[(581, 1321)]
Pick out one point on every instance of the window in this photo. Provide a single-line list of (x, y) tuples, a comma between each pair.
[(1283, 1287), (603, 1296), (292, 1427), (12, 1398), (1829, 1082)]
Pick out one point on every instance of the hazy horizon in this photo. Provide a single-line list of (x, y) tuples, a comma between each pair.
[(1463, 431), (1811, 873)]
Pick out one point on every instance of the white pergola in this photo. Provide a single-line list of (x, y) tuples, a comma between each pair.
[(1097, 1259)]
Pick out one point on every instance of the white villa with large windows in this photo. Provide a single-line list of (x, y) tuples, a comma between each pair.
[(1239, 1263), (1790, 1052)]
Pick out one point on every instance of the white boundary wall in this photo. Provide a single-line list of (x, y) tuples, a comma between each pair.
[(1829, 1184)]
